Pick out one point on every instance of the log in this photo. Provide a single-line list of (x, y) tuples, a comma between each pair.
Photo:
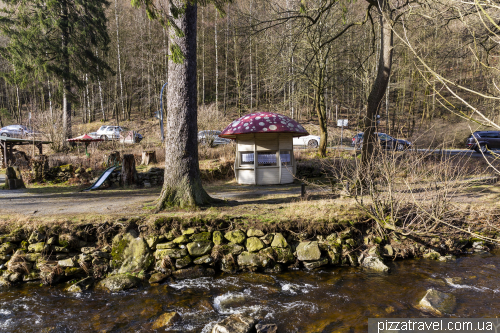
[(129, 174), (148, 157)]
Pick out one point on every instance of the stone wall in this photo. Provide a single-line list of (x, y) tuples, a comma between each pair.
[(122, 257)]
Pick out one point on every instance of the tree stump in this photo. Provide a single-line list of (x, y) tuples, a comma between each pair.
[(148, 157), (13, 178), (39, 165), (129, 174), (113, 158)]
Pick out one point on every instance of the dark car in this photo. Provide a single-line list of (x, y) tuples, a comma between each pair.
[(386, 141), (482, 141)]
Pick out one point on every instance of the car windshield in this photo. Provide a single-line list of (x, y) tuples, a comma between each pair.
[(102, 128), (384, 136)]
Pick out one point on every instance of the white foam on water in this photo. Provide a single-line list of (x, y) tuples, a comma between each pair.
[(6, 323), (310, 307), (292, 288), (464, 286), (208, 327), (251, 310)]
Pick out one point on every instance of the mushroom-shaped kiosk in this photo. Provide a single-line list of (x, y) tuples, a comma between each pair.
[(264, 153)]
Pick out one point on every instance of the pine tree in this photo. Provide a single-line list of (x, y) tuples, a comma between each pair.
[(57, 39)]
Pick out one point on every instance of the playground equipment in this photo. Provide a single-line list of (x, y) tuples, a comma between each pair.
[(101, 179), (85, 139)]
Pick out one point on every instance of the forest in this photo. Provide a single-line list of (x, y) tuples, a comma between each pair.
[(315, 61)]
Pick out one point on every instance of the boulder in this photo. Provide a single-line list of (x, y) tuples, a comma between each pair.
[(284, 255), (193, 272), (67, 263), (158, 277), (130, 253), (88, 250), (153, 240), (232, 248), (81, 285), (4, 283), (198, 249), (247, 259), (166, 320), (37, 247), (181, 239), (235, 236), (375, 263), (235, 323), (388, 250), (315, 264), (267, 239), (206, 259), (217, 237), (254, 244), (189, 231), (267, 328), (119, 282), (432, 255), (438, 302), (228, 265), (183, 262), (201, 237), (447, 258), (279, 241), (8, 247), (33, 256), (254, 233), (33, 276), (163, 246), (308, 251), (100, 254)]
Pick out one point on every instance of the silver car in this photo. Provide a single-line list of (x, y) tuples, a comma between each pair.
[(211, 138), (16, 131)]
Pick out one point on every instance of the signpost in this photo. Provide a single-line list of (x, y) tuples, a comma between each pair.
[(342, 123)]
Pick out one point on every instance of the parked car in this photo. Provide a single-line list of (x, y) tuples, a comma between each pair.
[(482, 141), (113, 133), (311, 141), (211, 138), (16, 131), (386, 141)]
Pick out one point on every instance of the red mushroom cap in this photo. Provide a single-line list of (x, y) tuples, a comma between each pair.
[(263, 122)]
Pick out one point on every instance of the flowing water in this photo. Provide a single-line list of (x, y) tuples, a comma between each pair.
[(328, 300)]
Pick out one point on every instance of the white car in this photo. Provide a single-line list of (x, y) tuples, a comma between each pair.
[(109, 132), (310, 141)]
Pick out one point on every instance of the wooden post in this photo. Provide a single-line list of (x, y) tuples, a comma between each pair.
[(129, 174), (40, 149), (4, 153), (148, 156)]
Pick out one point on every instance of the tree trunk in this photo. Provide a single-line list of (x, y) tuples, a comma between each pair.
[(380, 85), (182, 186), (66, 72), (129, 174)]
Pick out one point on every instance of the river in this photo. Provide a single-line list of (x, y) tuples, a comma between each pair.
[(328, 300)]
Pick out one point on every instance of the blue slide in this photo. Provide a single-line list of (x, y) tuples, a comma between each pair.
[(101, 179)]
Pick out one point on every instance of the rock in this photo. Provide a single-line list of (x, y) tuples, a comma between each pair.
[(279, 241), (267, 239), (172, 253), (36, 237), (432, 255), (4, 283), (388, 250), (73, 271), (447, 258), (193, 272), (33, 276), (247, 259), (183, 262), (284, 255), (453, 280), (8, 247), (37, 247), (268, 328), (67, 263), (166, 320), (32, 256), (206, 259), (201, 237), (100, 254), (130, 254), (181, 239), (169, 245), (254, 233), (60, 249), (217, 237), (158, 277), (119, 282), (15, 277), (235, 323), (350, 243), (254, 244), (353, 258), (438, 302), (197, 249), (87, 250), (315, 264), (234, 249), (235, 236), (228, 265), (52, 241), (308, 251), (153, 240), (277, 268), (189, 231), (375, 263), (81, 285)]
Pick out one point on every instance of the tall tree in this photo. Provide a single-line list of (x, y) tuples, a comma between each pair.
[(182, 185), (56, 39)]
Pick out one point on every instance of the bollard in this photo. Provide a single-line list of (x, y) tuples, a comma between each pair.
[(302, 190)]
